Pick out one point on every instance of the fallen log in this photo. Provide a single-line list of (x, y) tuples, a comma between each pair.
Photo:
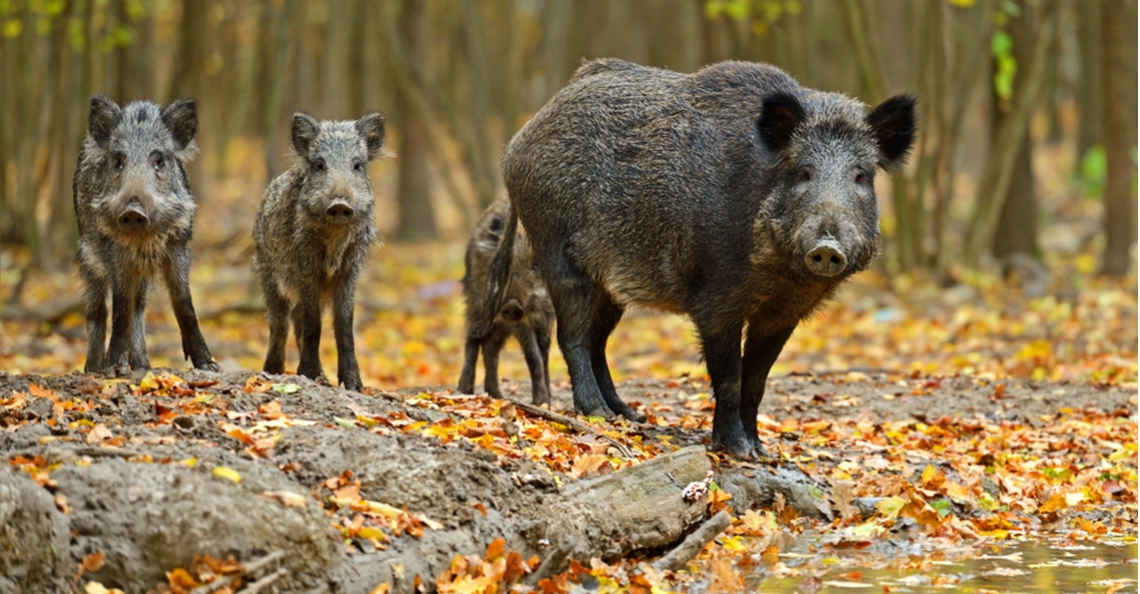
[(694, 543), (633, 508)]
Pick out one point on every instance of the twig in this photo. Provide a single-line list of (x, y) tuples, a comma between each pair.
[(254, 587), (550, 565), (83, 451), (248, 568), (694, 543), (571, 422)]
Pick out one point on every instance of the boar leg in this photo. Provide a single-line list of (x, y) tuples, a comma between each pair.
[(277, 312), (573, 295), (122, 310), (96, 310), (138, 358), (539, 388), (605, 318), (347, 368), (177, 273), (308, 309), (542, 336), (491, 347), (470, 359), (761, 347), (720, 343)]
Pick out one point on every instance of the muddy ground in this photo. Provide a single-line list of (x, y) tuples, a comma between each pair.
[(133, 474)]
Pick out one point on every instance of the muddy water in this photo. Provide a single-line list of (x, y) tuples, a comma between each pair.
[(1044, 566)]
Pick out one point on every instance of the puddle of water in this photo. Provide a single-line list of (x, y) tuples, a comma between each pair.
[(1045, 566)]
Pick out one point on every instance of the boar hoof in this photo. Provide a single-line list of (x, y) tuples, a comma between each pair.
[(207, 365), (120, 369), (631, 414), (737, 446), (353, 383), (466, 387)]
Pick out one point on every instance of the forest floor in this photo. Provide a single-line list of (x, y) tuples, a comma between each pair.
[(932, 426)]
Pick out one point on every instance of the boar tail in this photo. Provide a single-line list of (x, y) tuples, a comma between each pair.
[(499, 273)]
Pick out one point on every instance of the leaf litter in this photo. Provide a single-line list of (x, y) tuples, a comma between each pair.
[(972, 422)]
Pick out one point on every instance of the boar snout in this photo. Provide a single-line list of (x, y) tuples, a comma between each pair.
[(826, 258), (133, 217), (339, 211)]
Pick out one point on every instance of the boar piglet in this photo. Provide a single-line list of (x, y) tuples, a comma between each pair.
[(312, 234), (135, 213), (525, 313), (731, 195)]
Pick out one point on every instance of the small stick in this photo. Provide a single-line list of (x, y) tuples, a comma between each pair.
[(694, 543), (549, 565), (251, 567), (571, 422), (257, 586)]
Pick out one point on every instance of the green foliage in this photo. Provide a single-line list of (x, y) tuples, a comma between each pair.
[(762, 14), (1094, 170), (1005, 65)]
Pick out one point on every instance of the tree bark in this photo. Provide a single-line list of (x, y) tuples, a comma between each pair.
[(1017, 221), (1091, 83), (413, 194), (995, 180), (1120, 136)]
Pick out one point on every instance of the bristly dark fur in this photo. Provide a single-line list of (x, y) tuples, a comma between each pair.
[(312, 235), (526, 312), (732, 195), (135, 213)]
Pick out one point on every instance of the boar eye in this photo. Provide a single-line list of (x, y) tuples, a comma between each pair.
[(118, 160), (319, 166), (805, 173), (156, 160), (358, 166)]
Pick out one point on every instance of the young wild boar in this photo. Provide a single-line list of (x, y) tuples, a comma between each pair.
[(526, 312), (732, 195), (135, 213), (313, 231)]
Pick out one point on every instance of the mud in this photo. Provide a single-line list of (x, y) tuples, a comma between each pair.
[(148, 496)]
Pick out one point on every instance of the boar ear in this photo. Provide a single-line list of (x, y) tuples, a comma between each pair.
[(894, 127), (781, 114), (371, 129), (105, 115), (305, 130), (181, 117)]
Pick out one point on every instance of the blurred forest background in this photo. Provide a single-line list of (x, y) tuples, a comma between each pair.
[(1025, 164)]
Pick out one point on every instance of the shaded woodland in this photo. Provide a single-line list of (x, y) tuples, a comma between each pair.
[(998, 82)]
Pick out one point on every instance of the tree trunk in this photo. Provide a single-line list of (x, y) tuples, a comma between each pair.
[(1090, 86), (1120, 136), (996, 178), (413, 194), (1017, 221)]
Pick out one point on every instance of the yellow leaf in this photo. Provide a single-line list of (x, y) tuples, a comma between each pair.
[(1056, 502), (372, 532), (1074, 498), (286, 498), (732, 543), (149, 383), (383, 509), (227, 473), (890, 506)]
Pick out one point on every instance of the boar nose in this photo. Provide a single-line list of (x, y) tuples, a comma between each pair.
[(133, 217), (826, 259), (339, 210), (512, 310)]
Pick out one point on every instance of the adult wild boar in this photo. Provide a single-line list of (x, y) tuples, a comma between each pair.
[(732, 195)]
